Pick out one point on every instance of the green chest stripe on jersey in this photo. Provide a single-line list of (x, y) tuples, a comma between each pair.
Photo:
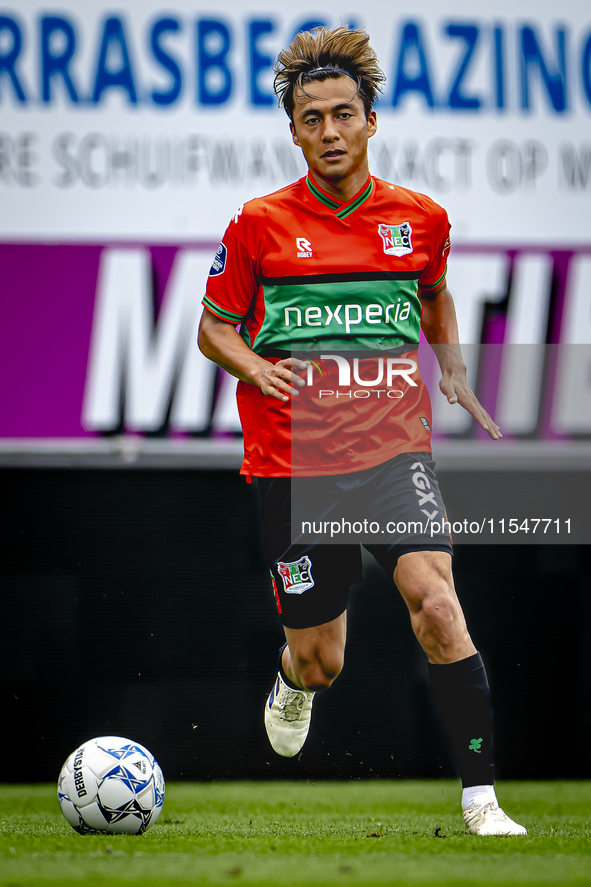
[(357, 315)]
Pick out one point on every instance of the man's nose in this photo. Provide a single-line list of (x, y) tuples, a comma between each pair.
[(330, 133)]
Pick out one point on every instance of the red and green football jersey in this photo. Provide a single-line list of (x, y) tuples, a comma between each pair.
[(334, 283)]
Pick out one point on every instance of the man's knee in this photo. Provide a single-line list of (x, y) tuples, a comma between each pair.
[(430, 591), (438, 608), (426, 583)]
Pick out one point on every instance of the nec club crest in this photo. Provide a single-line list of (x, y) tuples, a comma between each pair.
[(396, 238), (297, 576)]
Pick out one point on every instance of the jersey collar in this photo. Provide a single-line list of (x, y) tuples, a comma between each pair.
[(341, 210)]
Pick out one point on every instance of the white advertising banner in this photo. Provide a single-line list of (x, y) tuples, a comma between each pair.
[(135, 120)]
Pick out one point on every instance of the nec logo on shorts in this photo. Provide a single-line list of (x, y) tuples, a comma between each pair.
[(396, 239), (304, 248), (297, 576)]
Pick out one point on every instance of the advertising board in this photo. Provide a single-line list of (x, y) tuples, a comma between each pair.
[(131, 133)]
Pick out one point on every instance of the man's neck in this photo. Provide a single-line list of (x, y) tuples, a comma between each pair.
[(342, 189)]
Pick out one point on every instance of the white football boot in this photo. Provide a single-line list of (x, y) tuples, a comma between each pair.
[(287, 718), (489, 819)]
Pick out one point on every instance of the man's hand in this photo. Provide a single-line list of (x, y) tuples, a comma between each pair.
[(220, 342), (441, 331), (279, 380), (456, 388)]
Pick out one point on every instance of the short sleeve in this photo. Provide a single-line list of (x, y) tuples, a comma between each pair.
[(232, 281), (435, 271)]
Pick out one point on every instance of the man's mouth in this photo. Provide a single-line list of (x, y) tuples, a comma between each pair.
[(335, 152)]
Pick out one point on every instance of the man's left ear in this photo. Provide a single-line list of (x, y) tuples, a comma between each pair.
[(372, 124), (293, 134)]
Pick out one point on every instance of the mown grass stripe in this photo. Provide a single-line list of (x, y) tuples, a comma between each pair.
[(287, 834)]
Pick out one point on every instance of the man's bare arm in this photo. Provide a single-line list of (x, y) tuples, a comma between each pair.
[(221, 342), (440, 327)]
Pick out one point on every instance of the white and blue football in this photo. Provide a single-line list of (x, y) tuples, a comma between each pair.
[(111, 785)]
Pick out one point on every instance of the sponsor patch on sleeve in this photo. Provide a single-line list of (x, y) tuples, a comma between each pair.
[(218, 266)]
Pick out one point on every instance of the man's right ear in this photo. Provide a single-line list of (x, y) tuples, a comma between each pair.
[(293, 134)]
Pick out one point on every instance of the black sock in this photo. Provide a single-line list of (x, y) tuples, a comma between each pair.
[(281, 671), (462, 696)]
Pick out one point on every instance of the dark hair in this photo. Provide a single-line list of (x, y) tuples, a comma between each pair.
[(328, 53)]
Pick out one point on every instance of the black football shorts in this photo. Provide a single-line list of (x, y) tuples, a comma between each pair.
[(315, 526)]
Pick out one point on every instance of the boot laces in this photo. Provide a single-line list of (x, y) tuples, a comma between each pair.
[(292, 704), (492, 810)]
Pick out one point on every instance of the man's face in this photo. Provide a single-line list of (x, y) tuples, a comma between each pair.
[(331, 128)]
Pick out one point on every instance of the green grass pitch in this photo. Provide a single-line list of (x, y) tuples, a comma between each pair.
[(271, 834)]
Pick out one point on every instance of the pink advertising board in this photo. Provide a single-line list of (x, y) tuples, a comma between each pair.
[(101, 338)]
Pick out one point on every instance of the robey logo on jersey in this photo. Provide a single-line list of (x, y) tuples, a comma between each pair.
[(304, 248)]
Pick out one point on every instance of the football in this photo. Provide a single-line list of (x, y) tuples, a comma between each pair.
[(111, 785)]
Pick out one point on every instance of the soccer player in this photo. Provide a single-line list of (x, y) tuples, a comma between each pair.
[(335, 274)]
